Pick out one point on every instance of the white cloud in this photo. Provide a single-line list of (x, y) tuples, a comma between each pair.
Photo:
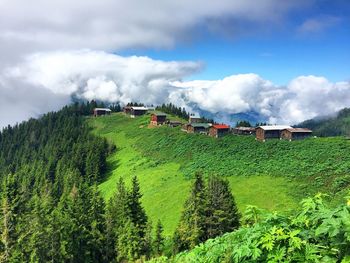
[(318, 24), (86, 74), (36, 64), (100, 75), (45, 81), (303, 98), (234, 94), (38, 25), (311, 96)]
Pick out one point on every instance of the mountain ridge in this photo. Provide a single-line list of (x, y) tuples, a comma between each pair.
[(338, 125)]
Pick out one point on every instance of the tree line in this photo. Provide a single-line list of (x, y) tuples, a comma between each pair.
[(49, 169), (173, 109)]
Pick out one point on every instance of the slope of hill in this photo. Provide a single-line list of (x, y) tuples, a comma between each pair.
[(315, 233), (331, 126), (274, 175)]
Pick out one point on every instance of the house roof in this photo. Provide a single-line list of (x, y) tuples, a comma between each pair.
[(104, 109), (299, 130), (221, 126), (245, 128), (195, 116), (158, 113), (275, 127), (204, 125), (139, 108)]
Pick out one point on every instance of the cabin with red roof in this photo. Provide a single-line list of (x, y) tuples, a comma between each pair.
[(219, 130)]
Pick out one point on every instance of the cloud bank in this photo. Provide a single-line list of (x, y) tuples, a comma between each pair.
[(38, 73), (46, 81), (38, 25)]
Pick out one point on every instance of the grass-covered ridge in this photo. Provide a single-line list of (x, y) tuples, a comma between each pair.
[(271, 175)]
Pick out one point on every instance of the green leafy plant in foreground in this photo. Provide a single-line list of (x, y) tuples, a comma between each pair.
[(315, 234)]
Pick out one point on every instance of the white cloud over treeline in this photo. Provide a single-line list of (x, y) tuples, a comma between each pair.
[(46, 81)]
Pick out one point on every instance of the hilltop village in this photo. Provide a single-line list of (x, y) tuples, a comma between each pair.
[(196, 124)]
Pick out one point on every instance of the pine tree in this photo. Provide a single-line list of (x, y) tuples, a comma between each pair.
[(221, 213), (117, 215), (191, 230), (137, 213), (10, 213), (243, 124), (39, 234), (92, 166), (148, 240), (129, 242), (70, 214), (82, 225), (209, 212), (97, 227), (158, 242), (7, 230), (127, 235)]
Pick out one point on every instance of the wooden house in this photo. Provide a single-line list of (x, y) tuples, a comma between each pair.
[(184, 127), (270, 132), (218, 130), (295, 133), (173, 123), (137, 111), (158, 118), (198, 127), (127, 109), (194, 119), (244, 130), (101, 111)]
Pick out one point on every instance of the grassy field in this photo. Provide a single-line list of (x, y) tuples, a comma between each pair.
[(273, 175)]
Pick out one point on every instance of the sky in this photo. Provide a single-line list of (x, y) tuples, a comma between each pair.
[(287, 61)]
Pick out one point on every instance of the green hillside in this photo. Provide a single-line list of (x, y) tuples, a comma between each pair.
[(274, 175), (332, 126)]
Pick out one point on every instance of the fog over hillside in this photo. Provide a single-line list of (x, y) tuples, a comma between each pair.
[(46, 81)]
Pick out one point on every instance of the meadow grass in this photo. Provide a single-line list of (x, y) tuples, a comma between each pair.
[(274, 175), (163, 182)]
